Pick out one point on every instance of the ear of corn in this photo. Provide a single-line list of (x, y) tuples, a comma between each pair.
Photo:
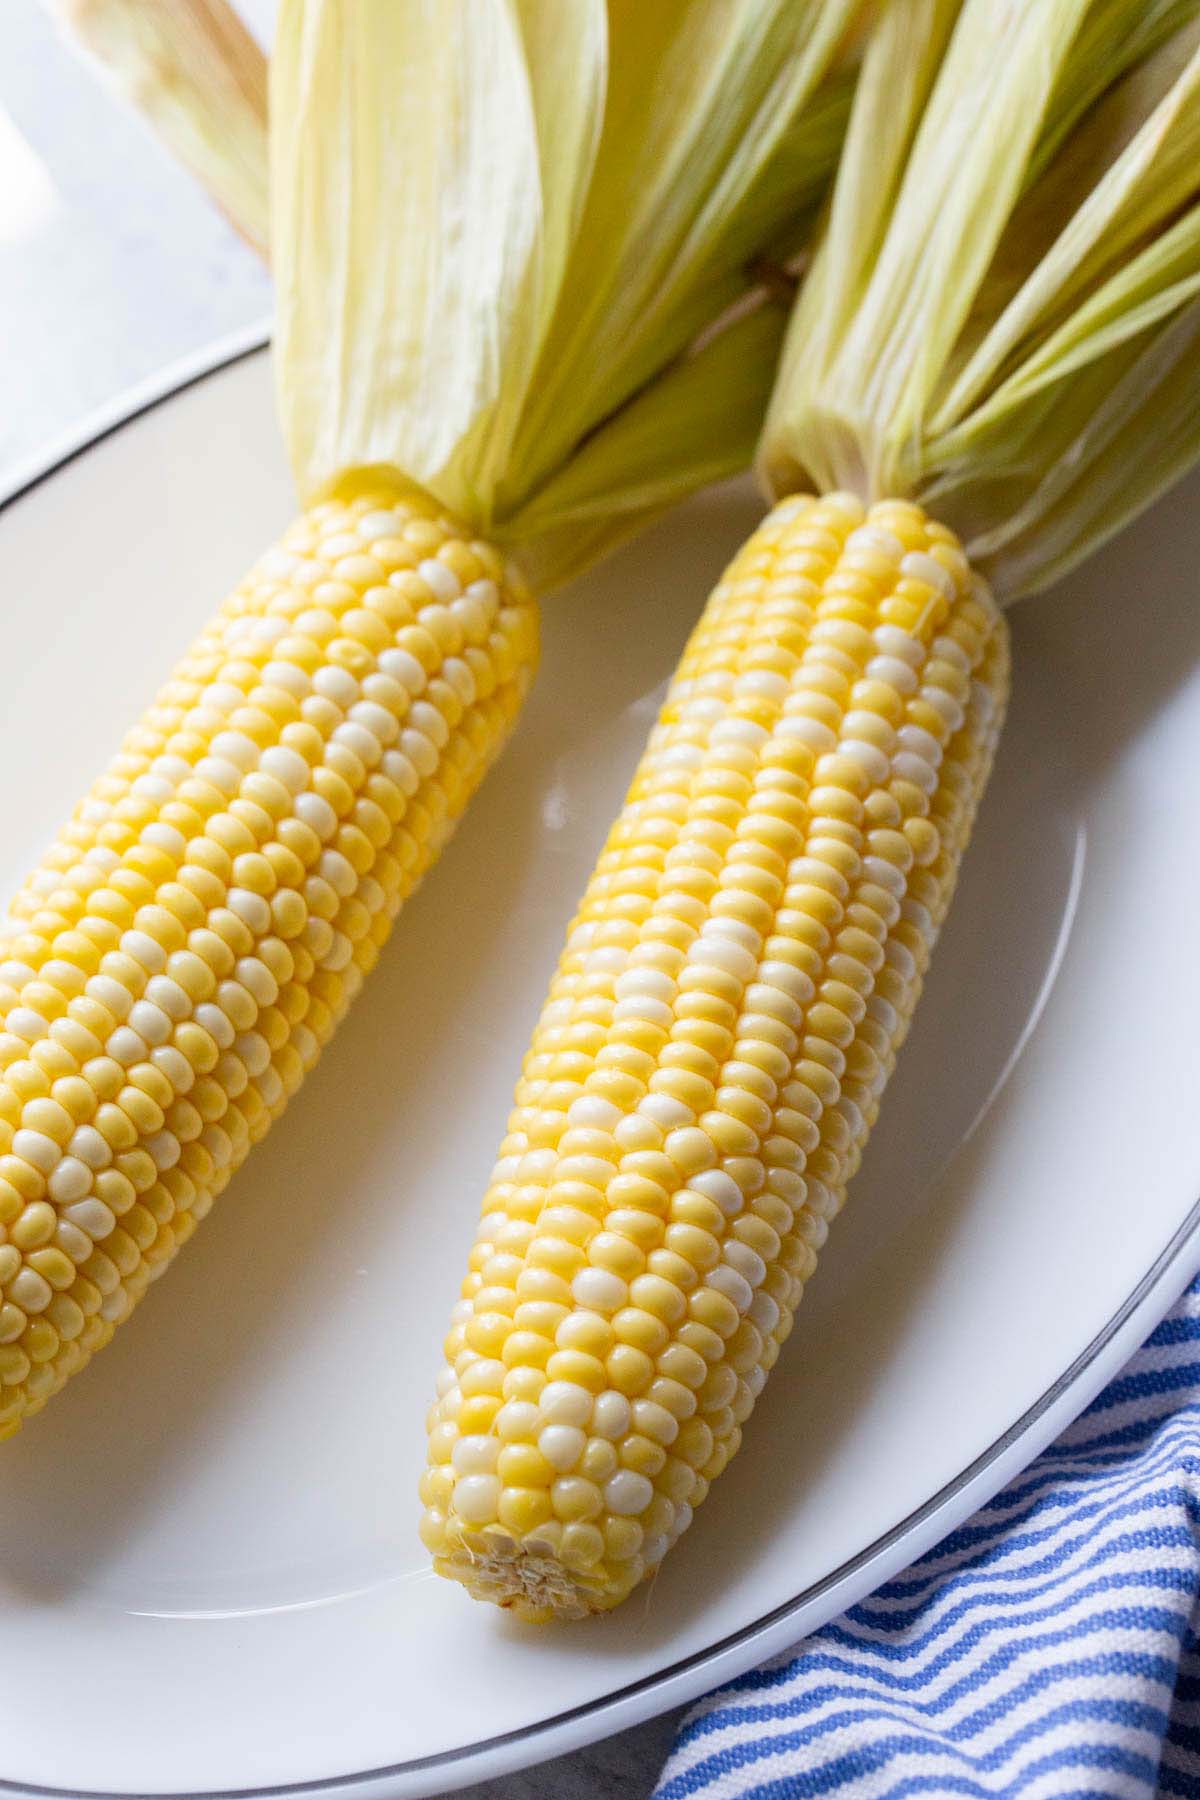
[(189, 943), (456, 190), (713, 1049)]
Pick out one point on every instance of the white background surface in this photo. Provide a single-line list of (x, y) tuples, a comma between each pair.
[(113, 265)]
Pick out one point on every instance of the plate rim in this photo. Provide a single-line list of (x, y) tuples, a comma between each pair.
[(782, 1626)]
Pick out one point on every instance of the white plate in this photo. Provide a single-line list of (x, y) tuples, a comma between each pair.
[(209, 1572)]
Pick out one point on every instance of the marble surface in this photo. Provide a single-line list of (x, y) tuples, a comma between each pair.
[(113, 265)]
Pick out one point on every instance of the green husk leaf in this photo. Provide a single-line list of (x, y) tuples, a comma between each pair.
[(199, 77), (1005, 341), (502, 228)]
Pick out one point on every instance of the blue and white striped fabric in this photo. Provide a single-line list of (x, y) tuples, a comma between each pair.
[(1048, 1649)]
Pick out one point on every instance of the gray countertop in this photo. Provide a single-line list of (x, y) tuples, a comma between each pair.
[(113, 265)]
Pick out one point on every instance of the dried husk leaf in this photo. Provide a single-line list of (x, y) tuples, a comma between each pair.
[(504, 231), (200, 78), (1009, 333)]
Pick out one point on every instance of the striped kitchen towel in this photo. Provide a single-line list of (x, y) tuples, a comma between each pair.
[(1047, 1649)]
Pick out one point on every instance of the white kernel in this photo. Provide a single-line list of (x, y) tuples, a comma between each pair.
[(337, 685), (636, 1132), (35, 1148), (899, 957), (457, 672), (145, 950), (627, 1493), (948, 649), (93, 1217), (640, 1006), (126, 1047), (878, 539), (70, 1180), (739, 731), (665, 1111), (165, 837), (611, 1415), (562, 1446), (374, 718), (16, 974), (440, 580), (419, 751), (315, 812), (791, 981), (920, 566), (645, 981), (885, 874), (654, 1547), (894, 641), (254, 1051), (339, 953), (561, 1403), (763, 1312), (476, 1454), (710, 951), (91, 1147), (737, 932), (746, 1261), (289, 677), (609, 959), (257, 979), (600, 1291), (921, 743), (251, 908), (735, 1287), (883, 1012), (25, 1023), (518, 1421), (172, 769), (359, 741), (216, 1023), (338, 871), (153, 787), (430, 722), (403, 667), (894, 672), (225, 776), (236, 748), (477, 1498), (286, 766), (166, 994), (150, 1022), (721, 1188), (868, 757), (765, 682), (399, 769), (72, 1242), (590, 1112), (114, 1306), (914, 769), (175, 1066)]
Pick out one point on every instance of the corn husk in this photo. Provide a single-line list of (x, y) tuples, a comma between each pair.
[(200, 78), (515, 245), (1003, 319)]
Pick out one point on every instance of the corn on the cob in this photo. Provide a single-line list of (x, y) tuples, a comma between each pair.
[(710, 1059), (188, 945)]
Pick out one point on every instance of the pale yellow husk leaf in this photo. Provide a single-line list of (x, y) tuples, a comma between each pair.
[(506, 233), (1003, 318), (200, 78)]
